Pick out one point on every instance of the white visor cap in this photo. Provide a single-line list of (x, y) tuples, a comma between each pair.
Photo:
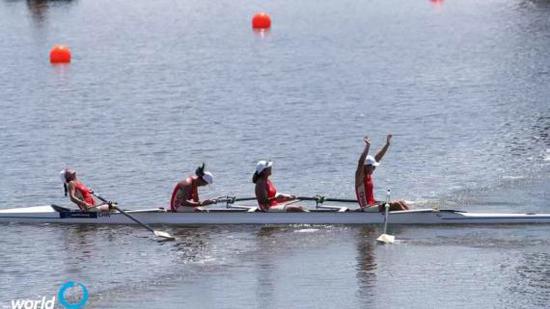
[(63, 174), (262, 165), (208, 177), (370, 160), (62, 177)]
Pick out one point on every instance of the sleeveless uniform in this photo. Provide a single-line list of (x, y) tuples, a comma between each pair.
[(365, 193), (271, 193), (85, 193), (273, 206), (176, 201)]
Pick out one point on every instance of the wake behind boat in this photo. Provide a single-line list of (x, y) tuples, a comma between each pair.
[(248, 215)]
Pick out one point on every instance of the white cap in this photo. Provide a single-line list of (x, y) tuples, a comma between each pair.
[(262, 165), (370, 160), (62, 176), (208, 177)]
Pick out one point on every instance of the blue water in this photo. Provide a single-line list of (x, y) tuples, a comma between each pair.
[(157, 87)]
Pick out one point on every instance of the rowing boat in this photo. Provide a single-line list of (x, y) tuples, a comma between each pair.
[(248, 215)]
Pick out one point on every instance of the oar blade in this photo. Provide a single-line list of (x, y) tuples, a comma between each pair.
[(164, 235), (386, 239)]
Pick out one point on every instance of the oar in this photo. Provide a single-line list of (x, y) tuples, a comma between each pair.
[(341, 200), (241, 199), (321, 199), (317, 198), (386, 238), (160, 234)]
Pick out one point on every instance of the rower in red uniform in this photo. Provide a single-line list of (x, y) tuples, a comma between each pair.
[(266, 193), (364, 185), (185, 197), (79, 193)]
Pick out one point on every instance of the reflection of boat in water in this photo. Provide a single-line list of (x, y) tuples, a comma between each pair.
[(57, 214), (39, 8)]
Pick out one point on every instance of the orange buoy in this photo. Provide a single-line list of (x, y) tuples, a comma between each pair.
[(261, 21), (60, 54)]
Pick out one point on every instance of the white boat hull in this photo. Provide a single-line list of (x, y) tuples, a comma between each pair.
[(48, 214)]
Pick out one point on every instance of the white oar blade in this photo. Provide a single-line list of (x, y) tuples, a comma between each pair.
[(387, 239), (164, 235)]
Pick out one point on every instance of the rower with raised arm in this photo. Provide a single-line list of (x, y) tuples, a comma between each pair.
[(364, 185), (79, 193), (266, 193), (185, 197)]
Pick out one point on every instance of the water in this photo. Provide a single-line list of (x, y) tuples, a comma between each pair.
[(156, 88)]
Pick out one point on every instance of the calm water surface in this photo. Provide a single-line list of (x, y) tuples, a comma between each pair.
[(157, 87)]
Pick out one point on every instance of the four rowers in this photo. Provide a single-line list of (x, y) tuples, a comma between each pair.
[(185, 196)]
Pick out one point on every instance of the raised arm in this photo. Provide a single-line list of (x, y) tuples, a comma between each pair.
[(364, 154), (361, 162), (380, 154)]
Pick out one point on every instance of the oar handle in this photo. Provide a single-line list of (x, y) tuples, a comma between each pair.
[(101, 198)]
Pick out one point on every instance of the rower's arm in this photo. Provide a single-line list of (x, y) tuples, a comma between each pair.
[(185, 187), (190, 203), (72, 195), (360, 164), (380, 154), (261, 197), (281, 198), (363, 156)]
